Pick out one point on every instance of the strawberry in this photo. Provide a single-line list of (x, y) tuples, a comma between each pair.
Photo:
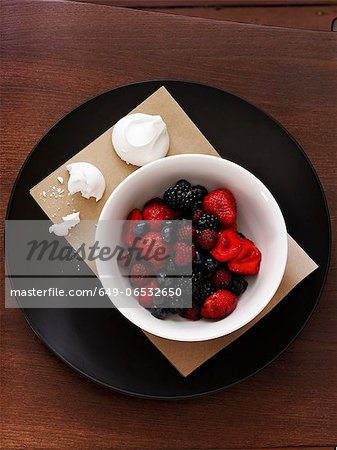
[(146, 299), (192, 313), (154, 201), (128, 234), (183, 254), (153, 249), (157, 211), (227, 247), (248, 260), (154, 210), (221, 278), (206, 239), (222, 204), (138, 274), (219, 305)]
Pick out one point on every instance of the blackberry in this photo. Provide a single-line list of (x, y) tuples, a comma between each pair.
[(185, 284), (141, 228), (196, 280), (207, 221), (179, 196), (171, 268), (200, 296), (168, 232), (198, 193), (163, 280), (210, 264), (183, 184), (199, 259), (238, 285), (159, 313)]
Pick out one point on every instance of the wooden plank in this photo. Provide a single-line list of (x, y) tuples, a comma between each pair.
[(305, 17), (191, 3), (55, 56)]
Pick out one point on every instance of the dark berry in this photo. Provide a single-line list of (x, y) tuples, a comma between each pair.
[(179, 197), (159, 313), (168, 233), (205, 291), (163, 280), (207, 221), (185, 284), (183, 184), (171, 268), (197, 279), (238, 285), (198, 193), (210, 264), (198, 260), (141, 228)]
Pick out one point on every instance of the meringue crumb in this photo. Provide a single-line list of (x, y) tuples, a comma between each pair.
[(60, 180)]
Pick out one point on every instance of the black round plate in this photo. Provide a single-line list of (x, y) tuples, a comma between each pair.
[(103, 345)]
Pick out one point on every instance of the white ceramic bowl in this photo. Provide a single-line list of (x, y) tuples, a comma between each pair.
[(259, 218)]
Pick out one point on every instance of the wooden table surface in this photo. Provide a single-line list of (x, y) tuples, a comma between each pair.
[(55, 56)]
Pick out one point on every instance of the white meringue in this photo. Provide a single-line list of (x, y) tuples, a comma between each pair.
[(87, 179), (140, 138), (62, 228)]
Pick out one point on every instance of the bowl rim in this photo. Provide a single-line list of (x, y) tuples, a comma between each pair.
[(138, 173)]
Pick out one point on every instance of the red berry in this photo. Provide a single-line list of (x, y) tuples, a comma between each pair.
[(196, 214), (185, 232), (248, 261), (192, 313), (219, 305), (154, 201), (138, 274), (222, 204), (227, 247), (221, 278), (128, 227), (183, 254), (146, 299), (153, 249), (206, 239), (157, 211)]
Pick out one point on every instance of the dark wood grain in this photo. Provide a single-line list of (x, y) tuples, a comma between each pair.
[(160, 3), (55, 56), (305, 17)]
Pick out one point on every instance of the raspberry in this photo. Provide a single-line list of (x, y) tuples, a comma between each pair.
[(192, 313), (185, 232), (196, 213), (221, 278), (183, 254), (206, 239), (138, 274)]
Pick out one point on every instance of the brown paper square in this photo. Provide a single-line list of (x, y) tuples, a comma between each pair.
[(185, 137)]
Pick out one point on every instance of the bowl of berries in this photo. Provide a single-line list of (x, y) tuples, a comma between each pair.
[(204, 247)]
